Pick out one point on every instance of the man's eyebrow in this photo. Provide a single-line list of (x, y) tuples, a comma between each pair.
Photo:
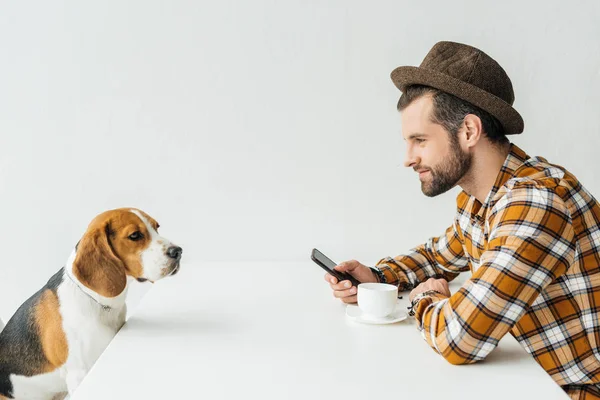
[(415, 135)]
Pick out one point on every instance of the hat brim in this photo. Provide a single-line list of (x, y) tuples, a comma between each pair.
[(510, 119)]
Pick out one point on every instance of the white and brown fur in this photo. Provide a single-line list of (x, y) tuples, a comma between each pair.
[(54, 338)]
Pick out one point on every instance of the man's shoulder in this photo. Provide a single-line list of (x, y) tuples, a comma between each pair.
[(534, 166), (537, 177)]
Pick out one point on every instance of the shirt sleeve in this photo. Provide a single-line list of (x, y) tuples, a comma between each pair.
[(439, 257), (531, 243)]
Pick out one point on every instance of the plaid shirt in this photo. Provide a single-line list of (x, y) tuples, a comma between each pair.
[(533, 249)]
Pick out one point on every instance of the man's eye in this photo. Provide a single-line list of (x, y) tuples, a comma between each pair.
[(420, 140), (135, 236)]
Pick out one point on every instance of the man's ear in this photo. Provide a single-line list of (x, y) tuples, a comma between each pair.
[(97, 266), (472, 130)]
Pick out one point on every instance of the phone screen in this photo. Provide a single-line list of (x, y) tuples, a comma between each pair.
[(324, 259)]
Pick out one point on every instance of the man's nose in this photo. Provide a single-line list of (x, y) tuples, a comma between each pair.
[(411, 159)]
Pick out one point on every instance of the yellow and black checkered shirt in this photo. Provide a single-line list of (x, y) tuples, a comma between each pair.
[(533, 248)]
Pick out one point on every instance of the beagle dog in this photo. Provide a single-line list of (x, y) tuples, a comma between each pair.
[(54, 338)]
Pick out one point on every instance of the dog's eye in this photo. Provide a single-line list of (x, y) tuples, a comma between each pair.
[(136, 236)]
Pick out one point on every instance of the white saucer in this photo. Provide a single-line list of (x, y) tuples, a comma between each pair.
[(355, 314)]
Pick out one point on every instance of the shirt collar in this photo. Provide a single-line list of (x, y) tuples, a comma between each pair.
[(515, 158)]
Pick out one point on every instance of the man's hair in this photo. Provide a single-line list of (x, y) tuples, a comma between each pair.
[(450, 111)]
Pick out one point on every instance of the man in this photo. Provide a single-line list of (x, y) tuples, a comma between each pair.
[(527, 229)]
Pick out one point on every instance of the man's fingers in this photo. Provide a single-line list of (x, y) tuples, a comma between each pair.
[(343, 285), (344, 290), (349, 300), (342, 267), (341, 294), (330, 279), (346, 266), (413, 293), (439, 285)]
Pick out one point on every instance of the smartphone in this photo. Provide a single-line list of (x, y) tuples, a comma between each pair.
[(326, 263)]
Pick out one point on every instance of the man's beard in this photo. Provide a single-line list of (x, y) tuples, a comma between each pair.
[(448, 172)]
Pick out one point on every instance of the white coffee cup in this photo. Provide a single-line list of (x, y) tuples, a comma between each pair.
[(377, 300)]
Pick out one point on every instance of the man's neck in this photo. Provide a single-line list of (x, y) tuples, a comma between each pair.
[(485, 168)]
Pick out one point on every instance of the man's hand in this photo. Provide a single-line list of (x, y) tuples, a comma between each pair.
[(440, 285), (344, 290)]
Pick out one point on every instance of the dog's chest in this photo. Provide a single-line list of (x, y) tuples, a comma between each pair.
[(87, 339), (88, 328)]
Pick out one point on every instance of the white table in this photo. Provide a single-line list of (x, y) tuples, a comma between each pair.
[(266, 331)]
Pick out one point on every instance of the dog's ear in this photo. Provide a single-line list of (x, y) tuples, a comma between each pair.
[(96, 265)]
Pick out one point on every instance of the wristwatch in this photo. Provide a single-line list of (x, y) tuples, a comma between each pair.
[(419, 297)]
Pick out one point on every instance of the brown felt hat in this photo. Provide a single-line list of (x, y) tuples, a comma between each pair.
[(469, 74)]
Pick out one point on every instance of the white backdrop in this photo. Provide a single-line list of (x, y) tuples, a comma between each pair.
[(256, 130)]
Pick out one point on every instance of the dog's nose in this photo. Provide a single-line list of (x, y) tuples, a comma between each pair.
[(174, 252)]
